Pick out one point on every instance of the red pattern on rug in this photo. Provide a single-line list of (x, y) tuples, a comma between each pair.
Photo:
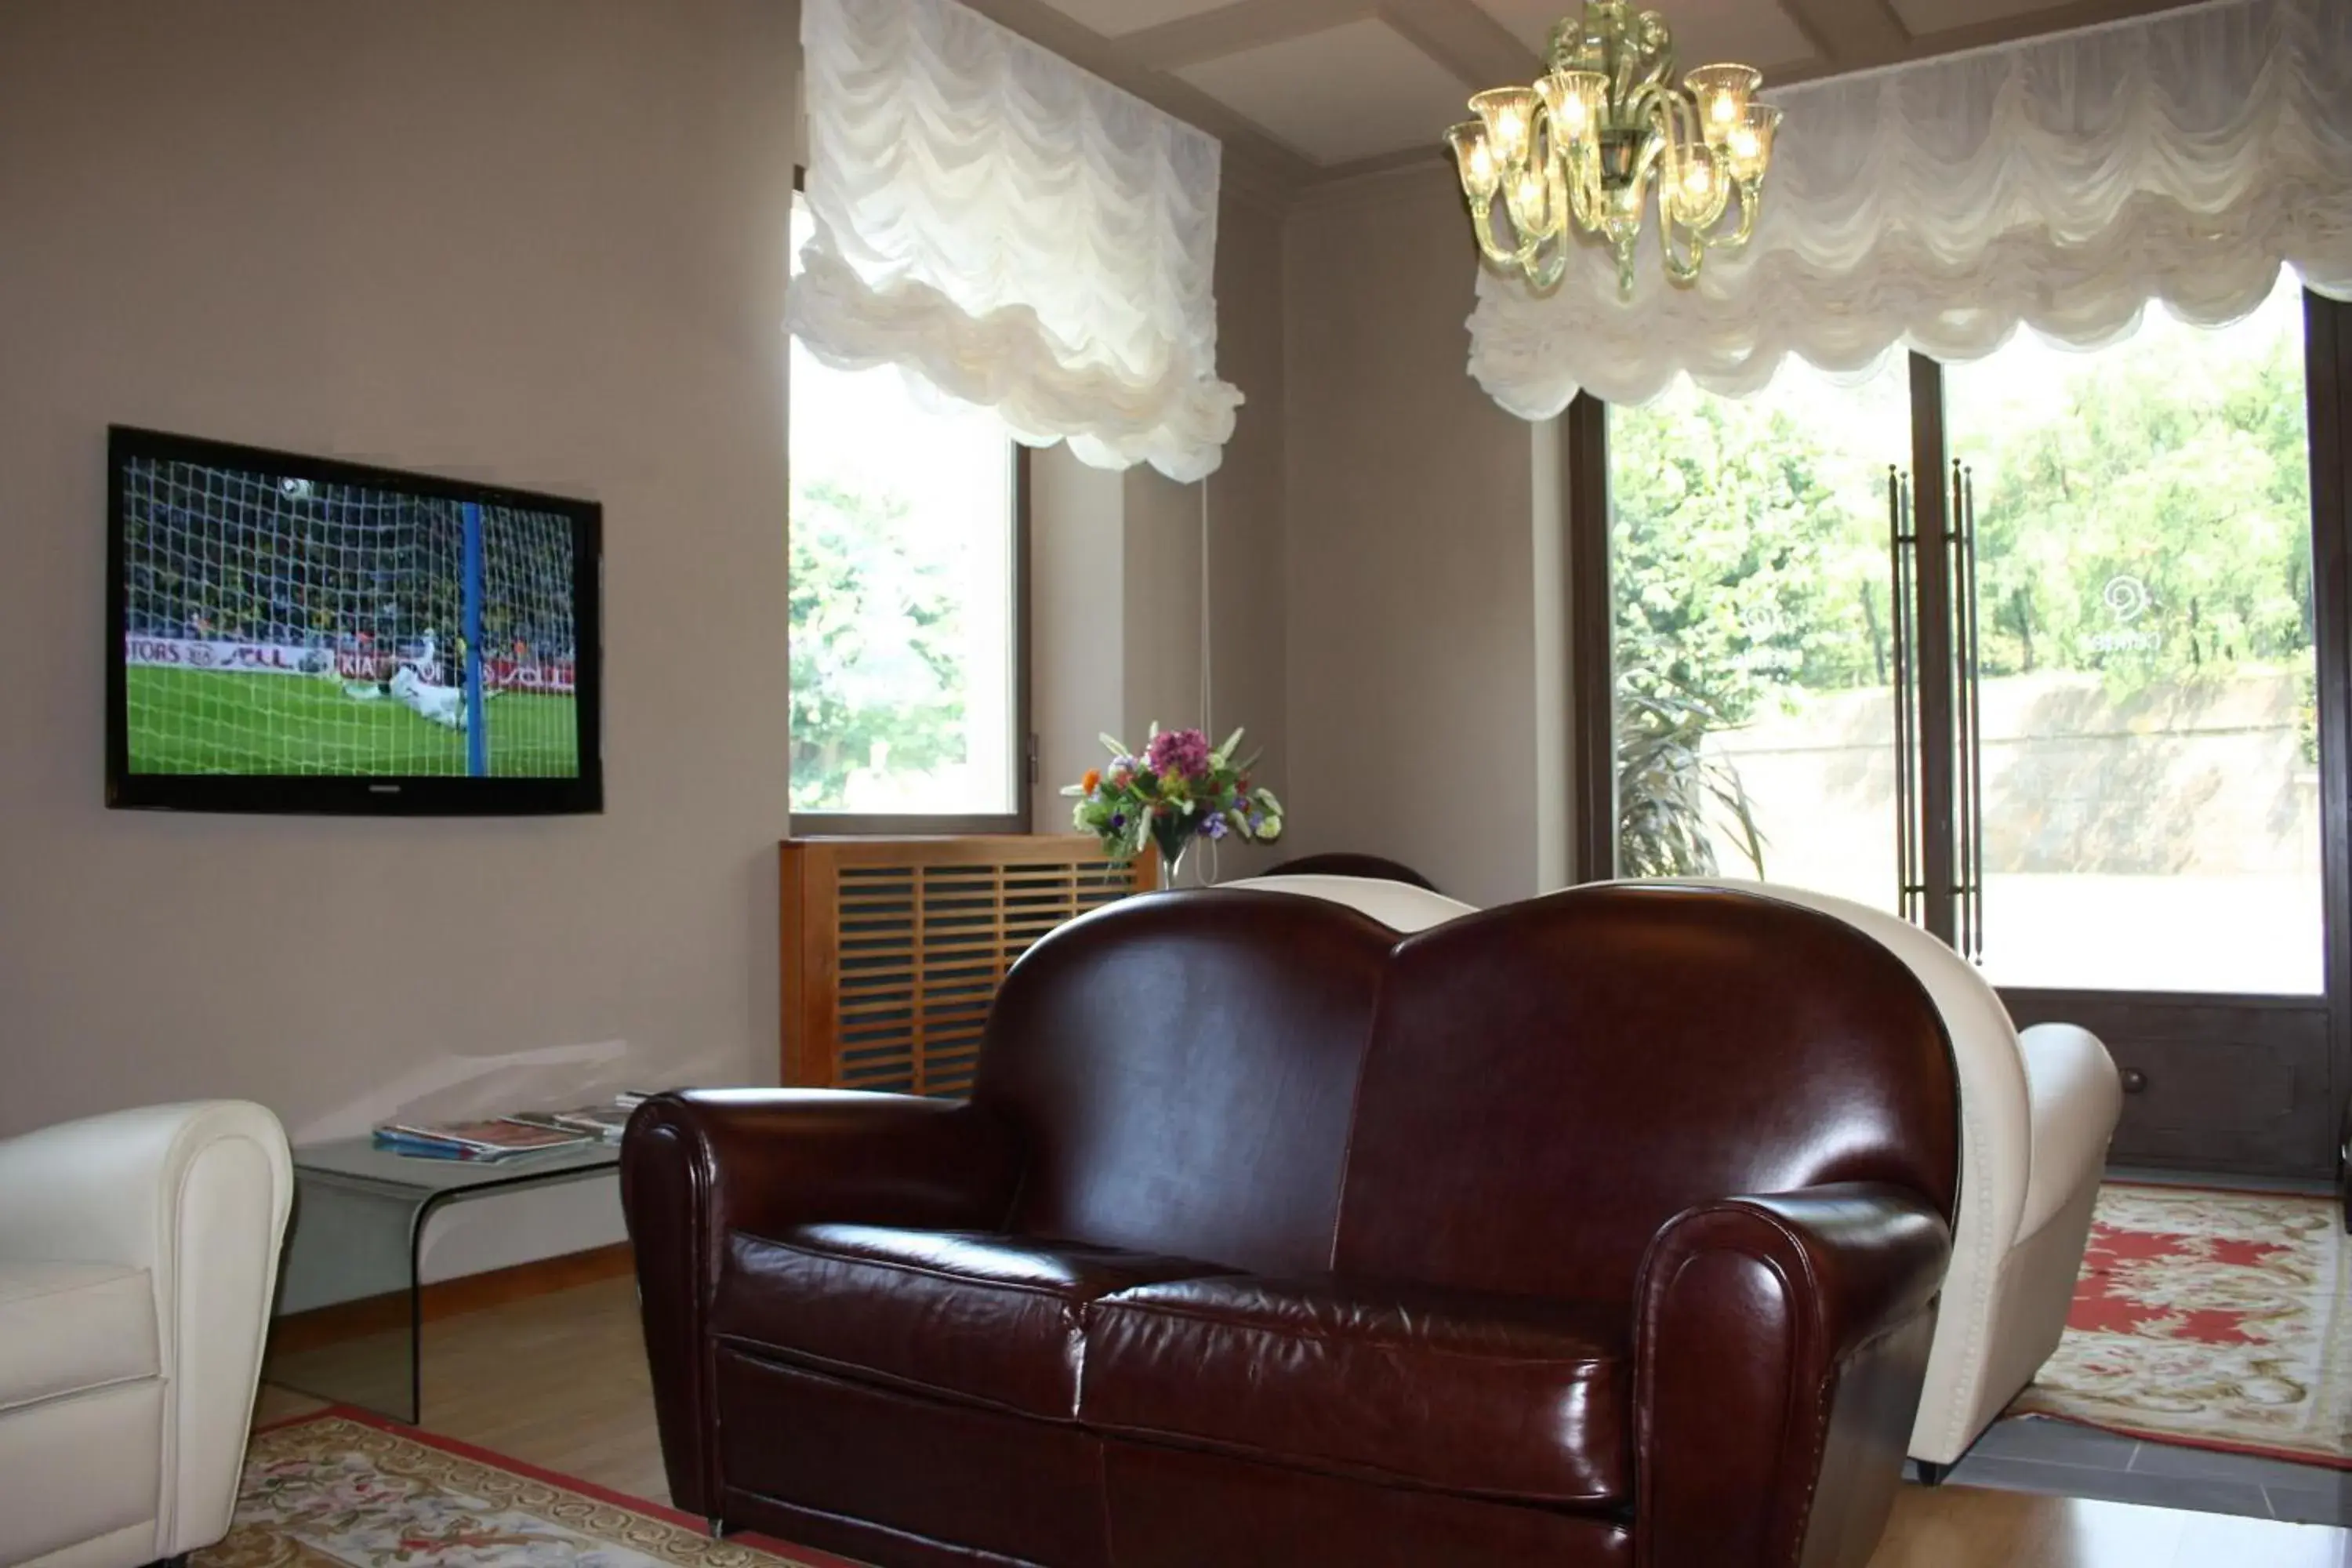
[(2211, 1318)]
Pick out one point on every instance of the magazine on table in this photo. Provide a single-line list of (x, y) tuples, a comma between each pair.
[(500, 1138), (602, 1122)]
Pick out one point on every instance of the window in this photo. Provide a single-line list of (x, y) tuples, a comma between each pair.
[(907, 624), (2062, 679)]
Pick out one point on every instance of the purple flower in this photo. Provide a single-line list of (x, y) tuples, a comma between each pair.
[(1182, 752), (1215, 827), (1118, 819)]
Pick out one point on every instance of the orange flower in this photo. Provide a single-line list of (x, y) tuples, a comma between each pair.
[(1092, 781)]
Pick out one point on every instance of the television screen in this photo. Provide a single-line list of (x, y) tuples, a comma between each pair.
[(297, 634)]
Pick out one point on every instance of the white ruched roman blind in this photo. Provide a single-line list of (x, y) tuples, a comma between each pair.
[(2062, 183), (1014, 232)]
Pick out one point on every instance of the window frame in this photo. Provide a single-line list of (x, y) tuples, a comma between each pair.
[(2132, 1023), (1023, 737)]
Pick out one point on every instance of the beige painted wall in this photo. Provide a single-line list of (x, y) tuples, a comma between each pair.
[(1078, 618), (537, 241), (1117, 579), (1418, 556)]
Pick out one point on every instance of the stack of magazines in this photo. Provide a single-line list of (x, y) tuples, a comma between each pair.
[(508, 1137)]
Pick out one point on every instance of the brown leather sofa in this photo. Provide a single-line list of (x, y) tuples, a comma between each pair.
[(1605, 1228)]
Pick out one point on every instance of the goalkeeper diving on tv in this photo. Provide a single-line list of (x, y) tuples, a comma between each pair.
[(279, 626)]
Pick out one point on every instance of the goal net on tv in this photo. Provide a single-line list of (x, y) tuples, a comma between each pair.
[(281, 626)]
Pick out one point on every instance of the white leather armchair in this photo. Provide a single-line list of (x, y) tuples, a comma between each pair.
[(1400, 906), (137, 1258), (2037, 1110)]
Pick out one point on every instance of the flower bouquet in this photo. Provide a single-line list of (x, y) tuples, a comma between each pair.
[(1179, 790)]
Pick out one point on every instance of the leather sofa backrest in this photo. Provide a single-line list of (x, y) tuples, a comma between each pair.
[(1550, 1082), (1180, 1069)]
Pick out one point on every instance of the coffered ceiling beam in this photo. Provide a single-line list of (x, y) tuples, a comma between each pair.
[(1480, 52), (1852, 34), (1261, 163), (1235, 30)]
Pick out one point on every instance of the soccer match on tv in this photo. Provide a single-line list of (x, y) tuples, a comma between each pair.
[(281, 625)]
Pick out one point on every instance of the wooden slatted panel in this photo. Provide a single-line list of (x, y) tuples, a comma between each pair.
[(893, 948)]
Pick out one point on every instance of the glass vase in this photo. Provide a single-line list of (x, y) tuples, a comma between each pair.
[(1172, 837)]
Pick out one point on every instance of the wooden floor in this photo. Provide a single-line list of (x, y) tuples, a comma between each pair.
[(560, 1382)]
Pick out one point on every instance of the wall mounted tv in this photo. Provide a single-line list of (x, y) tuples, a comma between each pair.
[(294, 633)]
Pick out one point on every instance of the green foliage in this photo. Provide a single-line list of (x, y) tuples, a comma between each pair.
[(1666, 786), (874, 678), (2147, 516), (1743, 562), (1177, 789), (2157, 529)]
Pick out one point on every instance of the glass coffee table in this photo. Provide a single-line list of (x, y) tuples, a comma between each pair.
[(351, 1262)]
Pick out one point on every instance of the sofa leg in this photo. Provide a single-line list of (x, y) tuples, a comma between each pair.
[(718, 1527), (1931, 1474)]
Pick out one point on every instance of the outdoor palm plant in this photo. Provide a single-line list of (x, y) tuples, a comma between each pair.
[(1666, 784)]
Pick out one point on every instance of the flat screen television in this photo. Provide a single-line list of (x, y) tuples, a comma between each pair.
[(291, 633)]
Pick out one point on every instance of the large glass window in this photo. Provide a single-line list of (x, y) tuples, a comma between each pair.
[(2149, 733), (2114, 576), (905, 590), (1754, 638)]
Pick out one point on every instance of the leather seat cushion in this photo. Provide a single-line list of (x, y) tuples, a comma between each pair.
[(69, 1327), (975, 1315), (1504, 1395)]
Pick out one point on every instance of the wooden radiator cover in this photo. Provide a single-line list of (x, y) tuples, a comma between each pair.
[(893, 948)]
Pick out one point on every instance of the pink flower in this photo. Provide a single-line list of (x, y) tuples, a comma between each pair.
[(1182, 752)]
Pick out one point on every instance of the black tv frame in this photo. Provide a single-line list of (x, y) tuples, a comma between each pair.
[(354, 794)]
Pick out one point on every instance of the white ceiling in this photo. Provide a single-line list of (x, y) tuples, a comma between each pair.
[(1358, 88), (1941, 16), (1116, 18), (1754, 32), (1315, 88)]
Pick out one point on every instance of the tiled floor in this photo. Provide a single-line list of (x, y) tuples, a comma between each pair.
[(2059, 1458), (2152, 1177)]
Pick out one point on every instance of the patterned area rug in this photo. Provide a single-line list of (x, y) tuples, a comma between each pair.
[(2211, 1318), (336, 1488)]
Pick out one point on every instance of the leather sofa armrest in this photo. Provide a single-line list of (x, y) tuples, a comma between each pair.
[(2077, 1097), (1780, 1342), (197, 1194), (701, 1165)]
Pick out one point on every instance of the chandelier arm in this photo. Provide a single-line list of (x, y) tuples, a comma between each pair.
[(1543, 279), (1482, 224), (1749, 193), (1694, 249), (1584, 189), (1653, 146)]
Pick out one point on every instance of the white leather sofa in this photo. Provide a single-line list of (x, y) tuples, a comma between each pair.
[(1400, 906), (138, 1257), (2037, 1111)]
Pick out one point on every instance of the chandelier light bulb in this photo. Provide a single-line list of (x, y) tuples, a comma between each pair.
[(1607, 137)]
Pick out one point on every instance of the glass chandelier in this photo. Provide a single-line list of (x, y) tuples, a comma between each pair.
[(1586, 143)]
